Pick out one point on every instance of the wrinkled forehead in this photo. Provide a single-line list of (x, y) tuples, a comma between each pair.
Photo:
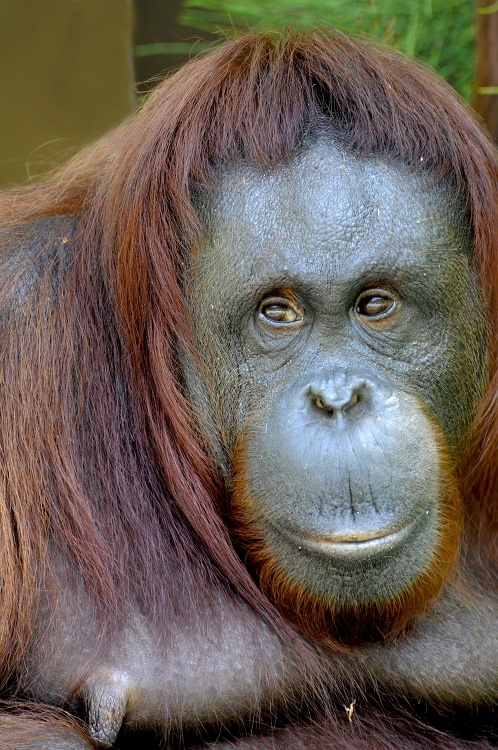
[(327, 202), (323, 179)]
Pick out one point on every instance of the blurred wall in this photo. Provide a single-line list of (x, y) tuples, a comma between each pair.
[(156, 22), (485, 99), (66, 77)]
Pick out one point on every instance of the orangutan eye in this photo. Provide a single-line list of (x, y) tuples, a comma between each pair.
[(281, 310), (279, 313), (374, 305)]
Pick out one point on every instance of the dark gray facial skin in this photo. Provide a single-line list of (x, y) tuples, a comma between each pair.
[(339, 318)]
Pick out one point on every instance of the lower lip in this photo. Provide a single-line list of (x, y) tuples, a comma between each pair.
[(347, 548)]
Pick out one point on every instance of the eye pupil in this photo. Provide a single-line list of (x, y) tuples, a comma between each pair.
[(276, 312), (375, 304), (284, 309)]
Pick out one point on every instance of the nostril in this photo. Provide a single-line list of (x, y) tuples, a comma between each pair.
[(321, 405), (332, 400), (352, 402)]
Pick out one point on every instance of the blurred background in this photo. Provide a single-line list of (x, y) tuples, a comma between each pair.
[(70, 70)]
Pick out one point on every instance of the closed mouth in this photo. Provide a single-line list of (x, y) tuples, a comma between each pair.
[(353, 545)]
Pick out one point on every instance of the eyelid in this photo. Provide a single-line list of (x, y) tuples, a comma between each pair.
[(281, 293)]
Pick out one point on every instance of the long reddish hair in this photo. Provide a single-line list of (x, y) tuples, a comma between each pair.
[(100, 452)]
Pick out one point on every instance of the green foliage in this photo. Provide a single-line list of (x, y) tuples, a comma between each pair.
[(437, 31)]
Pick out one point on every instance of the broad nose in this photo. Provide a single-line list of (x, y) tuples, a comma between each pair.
[(339, 396)]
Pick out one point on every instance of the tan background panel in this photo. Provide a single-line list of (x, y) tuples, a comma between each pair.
[(66, 77)]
